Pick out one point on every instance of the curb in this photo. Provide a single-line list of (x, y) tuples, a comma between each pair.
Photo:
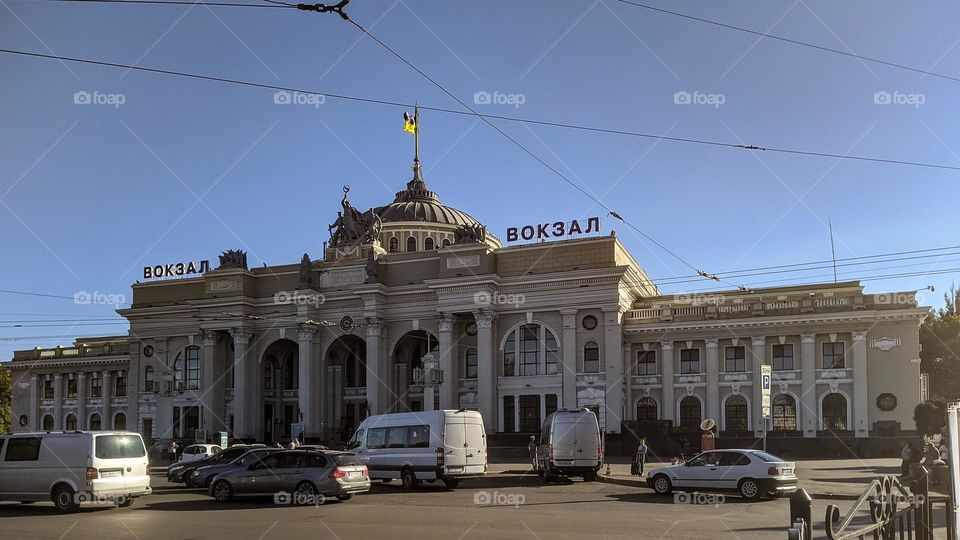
[(643, 484)]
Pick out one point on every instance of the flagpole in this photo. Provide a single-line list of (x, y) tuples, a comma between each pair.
[(416, 141)]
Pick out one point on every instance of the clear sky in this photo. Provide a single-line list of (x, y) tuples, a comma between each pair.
[(183, 169)]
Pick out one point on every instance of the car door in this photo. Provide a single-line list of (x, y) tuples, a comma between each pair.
[(730, 469), (700, 472), (259, 478)]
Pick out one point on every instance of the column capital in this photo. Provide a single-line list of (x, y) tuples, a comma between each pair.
[(33, 377), (484, 318), (859, 335), (808, 338), (759, 341), (666, 343), (375, 326), (711, 342), (569, 311), (241, 336), (58, 376), (305, 332), (81, 374), (208, 338), (445, 322)]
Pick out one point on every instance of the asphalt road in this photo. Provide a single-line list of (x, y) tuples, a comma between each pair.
[(499, 506)]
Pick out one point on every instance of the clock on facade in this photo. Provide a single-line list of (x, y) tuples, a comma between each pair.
[(589, 322)]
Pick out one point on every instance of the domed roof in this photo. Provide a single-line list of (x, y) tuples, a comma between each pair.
[(418, 203)]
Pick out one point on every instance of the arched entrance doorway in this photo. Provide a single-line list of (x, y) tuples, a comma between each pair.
[(346, 387), (407, 356), (279, 384)]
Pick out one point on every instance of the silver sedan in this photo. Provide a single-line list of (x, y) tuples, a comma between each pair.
[(304, 476)]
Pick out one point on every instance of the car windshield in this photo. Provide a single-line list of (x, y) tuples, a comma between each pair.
[(769, 458), (346, 460), (119, 446)]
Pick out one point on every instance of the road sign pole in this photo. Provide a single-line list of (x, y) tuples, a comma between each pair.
[(765, 382)]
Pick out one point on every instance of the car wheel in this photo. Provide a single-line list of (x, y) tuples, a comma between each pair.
[(345, 497), (124, 502), (408, 479), (65, 499), (451, 483), (590, 476), (305, 493), (749, 489), (222, 491), (662, 485)]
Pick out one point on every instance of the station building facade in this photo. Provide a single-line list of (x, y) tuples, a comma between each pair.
[(517, 332)]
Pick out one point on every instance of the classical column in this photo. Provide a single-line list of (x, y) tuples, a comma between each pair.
[(106, 419), (613, 354), (244, 389), (33, 415), (377, 388), (82, 400), (306, 389), (809, 418), (487, 376), (212, 387), (759, 353), (629, 412), (58, 402), (667, 403), (450, 388), (861, 403), (713, 380), (569, 380)]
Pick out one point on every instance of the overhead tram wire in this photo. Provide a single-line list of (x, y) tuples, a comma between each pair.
[(791, 41), (562, 125), (171, 2)]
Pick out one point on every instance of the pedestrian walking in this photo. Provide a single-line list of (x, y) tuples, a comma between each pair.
[(532, 450), (641, 457), (906, 458)]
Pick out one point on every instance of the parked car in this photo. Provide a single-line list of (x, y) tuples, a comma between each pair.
[(295, 476), (180, 470), (195, 452), (570, 445), (422, 446), (752, 473), (71, 467), (201, 476)]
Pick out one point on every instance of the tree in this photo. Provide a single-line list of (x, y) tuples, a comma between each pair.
[(930, 416), (6, 399), (940, 342)]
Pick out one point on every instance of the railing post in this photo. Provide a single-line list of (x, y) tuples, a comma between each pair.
[(801, 508), (921, 490)]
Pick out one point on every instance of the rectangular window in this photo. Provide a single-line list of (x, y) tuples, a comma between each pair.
[(118, 446), (783, 357), (193, 368), (120, 384), (96, 385), (591, 358), (530, 413), (377, 438), (509, 359), (529, 345), (71, 388), (472, 368), (23, 449), (396, 437), (833, 355), (689, 361), (646, 363), (735, 359), (551, 352), (551, 404), (418, 437), (508, 415), (48, 389)]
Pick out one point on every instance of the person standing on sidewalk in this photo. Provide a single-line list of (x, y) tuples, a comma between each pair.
[(532, 450), (172, 450), (641, 455)]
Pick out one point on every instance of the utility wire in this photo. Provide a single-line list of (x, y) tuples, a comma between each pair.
[(172, 3), (563, 125), (791, 41)]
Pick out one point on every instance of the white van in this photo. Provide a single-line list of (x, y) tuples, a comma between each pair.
[(570, 445), (72, 467), (422, 446)]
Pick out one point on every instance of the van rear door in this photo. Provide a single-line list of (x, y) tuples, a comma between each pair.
[(587, 441), (465, 444), (121, 460)]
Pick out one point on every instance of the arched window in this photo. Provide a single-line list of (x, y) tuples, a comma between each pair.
[(591, 357), (71, 423), (178, 375), (120, 422), (646, 409), (268, 375), (394, 245), (193, 367), (471, 368), (446, 242), (784, 413), (690, 412), (428, 243), (148, 382), (95, 422), (834, 412), (48, 423), (735, 414), (411, 244), (530, 350)]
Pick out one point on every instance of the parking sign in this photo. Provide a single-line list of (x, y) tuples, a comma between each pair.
[(765, 377)]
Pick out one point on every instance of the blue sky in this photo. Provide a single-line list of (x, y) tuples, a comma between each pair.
[(92, 193)]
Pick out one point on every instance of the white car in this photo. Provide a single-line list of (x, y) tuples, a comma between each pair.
[(198, 451), (752, 473)]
